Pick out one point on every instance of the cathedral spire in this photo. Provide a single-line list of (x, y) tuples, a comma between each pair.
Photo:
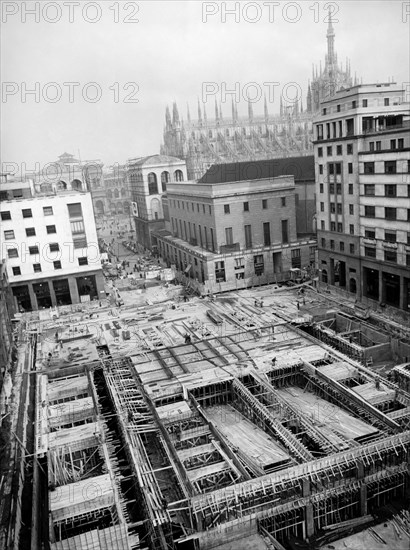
[(265, 108), (188, 114), (199, 113), (233, 112), (220, 111), (205, 118), (175, 114), (330, 41), (216, 111), (168, 123), (250, 111), (281, 106)]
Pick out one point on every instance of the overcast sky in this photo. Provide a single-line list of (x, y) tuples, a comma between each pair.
[(164, 53)]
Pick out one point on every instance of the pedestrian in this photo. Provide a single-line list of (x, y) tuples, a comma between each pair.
[(298, 305)]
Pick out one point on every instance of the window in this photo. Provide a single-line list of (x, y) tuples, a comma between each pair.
[(350, 167), (369, 190), (220, 272), (332, 207), (351, 229), (47, 210), (332, 244), (227, 209), (369, 167), (30, 232), (246, 206), (54, 247), (228, 235), (16, 271), (322, 225), (340, 227), (332, 188), (320, 187), (324, 111), (338, 189), (350, 148), (152, 184), (51, 229), (390, 256), (331, 169), (75, 210), (341, 246), (351, 248), (370, 233), (12, 253), (320, 151), (37, 268), (339, 208), (210, 210), (339, 150), (248, 236), (390, 191), (390, 213), (57, 264), (390, 167), (338, 108), (285, 231), (364, 102), (390, 236), (296, 258), (27, 213), (9, 235), (5, 216), (264, 204), (338, 167), (164, 180), (322, 206), (392, 144), (266, 234), (258, 264), (323, 242), (320, 168), (378, 145), (178, 175), (400, 143), (329, 151), (354, 104), (386, 101), (351, 209), (350, 188), (371, 146), (83, 260), (80, 242), (370, 252), (370, 211), (332, 226)]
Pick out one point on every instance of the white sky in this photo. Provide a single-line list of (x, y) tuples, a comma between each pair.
[(169, 53)]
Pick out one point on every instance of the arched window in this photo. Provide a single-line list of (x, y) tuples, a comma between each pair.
[(46, 187), (152, 184), (109, 194), (178, 175), (210, 133), (116, 193), (164, 180), (123, 192), (61, 185), (77, 185), (324, 276)]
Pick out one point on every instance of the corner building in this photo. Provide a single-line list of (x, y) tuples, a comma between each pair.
[(234, 234), (50, 246), (362, 167)]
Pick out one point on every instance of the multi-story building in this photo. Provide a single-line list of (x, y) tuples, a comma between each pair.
[(221, 138), (116, 191), (50, 242), (149, 177), (6, 337), (362, 145), (233, 234)]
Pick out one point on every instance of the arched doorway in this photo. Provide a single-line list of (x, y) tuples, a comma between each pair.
[(324, 275)]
